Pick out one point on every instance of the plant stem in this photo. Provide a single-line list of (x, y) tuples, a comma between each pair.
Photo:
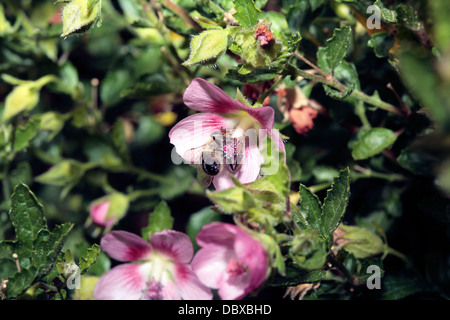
[(312, 65), (321, 186), (267, 93), (357, 94), (369, 173), (142, 193), (338, 265), (148, 175), (361, 113), (188, 21)]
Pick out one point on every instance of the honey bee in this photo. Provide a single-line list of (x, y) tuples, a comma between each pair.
[(225, 150)]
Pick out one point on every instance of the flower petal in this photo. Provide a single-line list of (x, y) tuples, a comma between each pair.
[(98, 214), (217, 233), (123, 282), (202, 95), (195, 131), (189, 286), (235, 287), (264, 115), (250, 253), (173, 244), (125, 246), (210, 263)]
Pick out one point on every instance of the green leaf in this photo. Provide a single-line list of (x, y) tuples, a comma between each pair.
[(119, 140), (160, 219), (27, 217), (336, 47), (80, 15), (198, 219), (47, 247), (361, 242), (310, 207), (52, 122), (335, 203), (386, 14), (308, 250), (62, 174), (260, 74), (371, 142), (23, 97), (207, 46), (399, 287), (439, 11), (90, 259), (36, 247), (246, 13), (296, 275), (19, 282), (24, 134), (233, 200), (381, 43), (113, 84)]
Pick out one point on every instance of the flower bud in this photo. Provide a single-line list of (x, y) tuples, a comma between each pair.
[(361, 242), (107, 210)]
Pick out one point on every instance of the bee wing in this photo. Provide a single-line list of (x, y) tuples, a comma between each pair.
[(193, 156), (204, 179)]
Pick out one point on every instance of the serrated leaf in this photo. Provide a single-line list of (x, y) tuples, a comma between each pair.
[(386, 14), (19, 282), (47, 247), (296, 275), (335, 203), (206, 46), (371, 142), (36, 247), (336, 47), (27, 218), (310, 206), (160, 219), (246, 13), (90, 259)]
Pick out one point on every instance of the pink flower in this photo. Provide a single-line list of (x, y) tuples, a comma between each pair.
[(219, 112), (160, 268), (230, 260), (98, 213)]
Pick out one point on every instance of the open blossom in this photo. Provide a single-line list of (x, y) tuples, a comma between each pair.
[(230, 260), (220, 112), (160, 269)]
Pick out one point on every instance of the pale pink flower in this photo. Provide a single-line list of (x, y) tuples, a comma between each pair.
[(220, 112), (159, 270), (230, 260), (98, 213)]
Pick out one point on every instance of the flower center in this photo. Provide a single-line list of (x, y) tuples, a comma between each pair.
[(153, 291), (235, 268)]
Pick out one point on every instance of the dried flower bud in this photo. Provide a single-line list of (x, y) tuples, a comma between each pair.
[(264, 36)]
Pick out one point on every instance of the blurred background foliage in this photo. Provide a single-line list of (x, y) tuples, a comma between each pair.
[(87, 115)]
